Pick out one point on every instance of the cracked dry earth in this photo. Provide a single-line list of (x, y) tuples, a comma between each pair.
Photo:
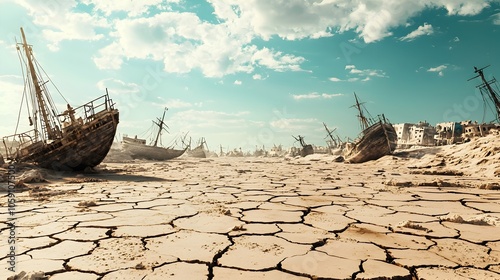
[(260, 218)]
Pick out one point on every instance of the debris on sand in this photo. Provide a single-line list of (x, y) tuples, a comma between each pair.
[(23, 275), (32, 176), (87, 203)]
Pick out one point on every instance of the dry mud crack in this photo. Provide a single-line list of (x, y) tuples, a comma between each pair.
[(236, 218)]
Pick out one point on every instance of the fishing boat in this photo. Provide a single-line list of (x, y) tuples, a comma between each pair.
[(377, 139), (139, 149), (307, 149), (199, 150), (76, 139)]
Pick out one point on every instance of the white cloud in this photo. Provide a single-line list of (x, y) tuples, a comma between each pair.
[(315, 95), (237, 82), (496, 19), (334, 79), (183, 41), (132, 8), (364, 75), (58, 21), (117, 86), (425, 29), (439, 69), (456, 39)]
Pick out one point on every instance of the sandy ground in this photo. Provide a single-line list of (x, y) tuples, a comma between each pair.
[(418, 215)]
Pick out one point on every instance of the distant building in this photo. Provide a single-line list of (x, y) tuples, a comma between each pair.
[(449, 133), (474, 129), (420, 134)]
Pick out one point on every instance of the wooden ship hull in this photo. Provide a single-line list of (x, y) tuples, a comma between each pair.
[(142, 151), (76, 139), (81, 148), (376, 141)]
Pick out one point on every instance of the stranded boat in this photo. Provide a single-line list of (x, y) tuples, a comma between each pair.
[(199, 151), (334, 143), (73, 140), (377, 139), (138, 148), (307, 149)]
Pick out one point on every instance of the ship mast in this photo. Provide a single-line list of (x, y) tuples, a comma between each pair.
[(51, 135), (330, 134), (363, 121), (486, 85), (160, 127)]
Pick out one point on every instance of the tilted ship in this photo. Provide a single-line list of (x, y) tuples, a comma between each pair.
[(377, 139), (74, 140), (139, 149)]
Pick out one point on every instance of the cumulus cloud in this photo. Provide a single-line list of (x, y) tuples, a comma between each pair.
[(165, 31), (425, 29), (238, 82), (315, 95), (58, 21)]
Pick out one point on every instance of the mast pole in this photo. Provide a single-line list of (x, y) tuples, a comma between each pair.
[(38, 89), (330, 134), (492, 93), (160, 127), (361, 116)]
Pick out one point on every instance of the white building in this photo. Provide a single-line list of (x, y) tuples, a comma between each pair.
[(420, 134)]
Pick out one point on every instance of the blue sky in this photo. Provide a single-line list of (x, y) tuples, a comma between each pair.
[(255, 72)]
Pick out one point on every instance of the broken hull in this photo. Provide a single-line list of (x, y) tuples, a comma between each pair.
[(306, 150), (139, 151), (377, 141), (197, 152), (85, 147)]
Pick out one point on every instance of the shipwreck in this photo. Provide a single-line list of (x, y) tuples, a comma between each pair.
[(139, 149), (78, 138), (377, 139)]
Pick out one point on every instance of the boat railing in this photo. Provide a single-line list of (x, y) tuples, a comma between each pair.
[(14, 143), (93, 107)]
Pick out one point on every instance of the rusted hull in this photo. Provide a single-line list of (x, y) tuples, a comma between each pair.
[(139, 151), (377, 141), (85, 147)]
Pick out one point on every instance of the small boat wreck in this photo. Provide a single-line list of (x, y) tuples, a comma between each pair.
[(76, 139), (199, 150), (138, 149), (307, 149), (377, 139), (334, 143)]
